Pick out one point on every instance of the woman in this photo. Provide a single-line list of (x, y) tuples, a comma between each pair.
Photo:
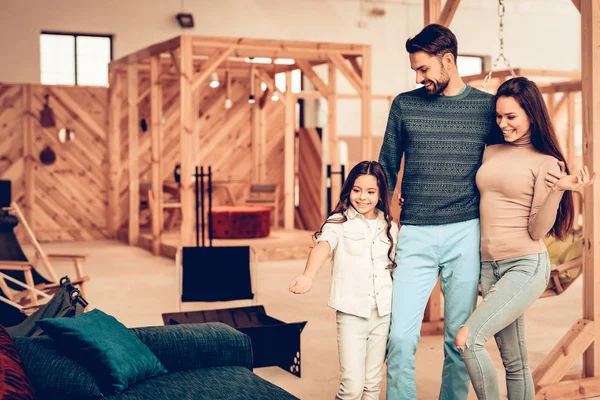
[(525, 195)]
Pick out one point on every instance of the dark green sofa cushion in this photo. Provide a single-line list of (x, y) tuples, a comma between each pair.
[(110, 351)]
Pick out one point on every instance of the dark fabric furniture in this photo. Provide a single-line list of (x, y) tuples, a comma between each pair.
[(240, 222), (204, 361)]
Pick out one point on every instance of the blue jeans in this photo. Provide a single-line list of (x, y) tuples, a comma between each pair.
[(423, 253), (509, 287)]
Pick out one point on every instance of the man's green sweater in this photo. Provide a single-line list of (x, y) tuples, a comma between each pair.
[(442, 138)]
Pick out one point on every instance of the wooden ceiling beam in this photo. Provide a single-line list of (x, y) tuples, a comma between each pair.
[(210, 66), (448, 12), (308, 71), (146, 52)]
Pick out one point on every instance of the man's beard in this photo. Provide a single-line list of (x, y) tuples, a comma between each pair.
[(437, 87)]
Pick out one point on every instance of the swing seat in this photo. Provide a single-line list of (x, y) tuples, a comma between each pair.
[(566, 258)]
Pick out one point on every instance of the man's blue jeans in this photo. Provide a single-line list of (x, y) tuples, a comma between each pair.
[(423, 253)]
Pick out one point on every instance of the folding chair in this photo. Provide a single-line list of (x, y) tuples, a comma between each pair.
[(14, 263)]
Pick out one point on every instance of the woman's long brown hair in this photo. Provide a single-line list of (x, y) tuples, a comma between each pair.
[(543, 139), (365, 168)]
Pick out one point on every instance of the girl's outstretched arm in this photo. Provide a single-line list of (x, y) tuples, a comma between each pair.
[(316, 259)]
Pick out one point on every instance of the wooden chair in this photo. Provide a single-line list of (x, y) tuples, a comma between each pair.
[(20, 270), (170, 205), (264, 195)]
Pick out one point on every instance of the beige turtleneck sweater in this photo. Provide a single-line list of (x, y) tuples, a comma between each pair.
[(516, 207)]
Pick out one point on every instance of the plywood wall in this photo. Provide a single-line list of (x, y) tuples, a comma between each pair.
[(66, 200)]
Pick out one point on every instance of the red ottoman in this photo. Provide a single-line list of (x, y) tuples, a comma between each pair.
[(240, 222)]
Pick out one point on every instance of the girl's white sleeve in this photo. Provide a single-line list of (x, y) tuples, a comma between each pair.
[(331, 234)]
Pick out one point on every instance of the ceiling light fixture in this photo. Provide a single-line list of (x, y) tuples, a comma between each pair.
[(214, 80)]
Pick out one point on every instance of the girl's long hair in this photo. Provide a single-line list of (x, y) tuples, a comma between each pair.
[(543, 139), (383, 205)]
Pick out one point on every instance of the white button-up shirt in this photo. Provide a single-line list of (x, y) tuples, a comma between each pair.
[(360, 274)]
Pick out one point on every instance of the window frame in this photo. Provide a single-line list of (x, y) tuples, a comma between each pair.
[(75, 35)]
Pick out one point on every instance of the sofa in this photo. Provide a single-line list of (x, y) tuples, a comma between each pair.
[(204, 361)]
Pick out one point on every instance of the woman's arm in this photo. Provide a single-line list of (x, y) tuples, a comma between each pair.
[(545, 202)]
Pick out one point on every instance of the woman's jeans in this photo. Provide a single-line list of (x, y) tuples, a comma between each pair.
[(509, 287)]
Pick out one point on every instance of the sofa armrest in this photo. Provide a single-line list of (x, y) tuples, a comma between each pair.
[(192, 346)]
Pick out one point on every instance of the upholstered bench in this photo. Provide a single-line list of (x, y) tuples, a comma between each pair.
[(240, 222)]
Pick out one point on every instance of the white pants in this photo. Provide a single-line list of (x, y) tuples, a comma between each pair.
[(362, 346)]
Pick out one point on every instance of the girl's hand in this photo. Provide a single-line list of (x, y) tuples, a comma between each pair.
[(301, 284), (561, 181)]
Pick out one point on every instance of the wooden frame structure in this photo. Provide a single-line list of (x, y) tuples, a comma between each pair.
[(190, 60), (584, 336)]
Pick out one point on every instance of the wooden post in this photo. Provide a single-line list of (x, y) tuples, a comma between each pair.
[(366, 105), (332, 137), (551, 105), (155, 124), (571, 129), (432, 10), (255, 128), (28, 157), (114, 153), (289, 150), (590, 91), (134, 167), (447, 14), (262, 153), (186, 123)]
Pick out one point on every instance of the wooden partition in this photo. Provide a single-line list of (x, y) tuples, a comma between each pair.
[(67, 199), (247, 143)]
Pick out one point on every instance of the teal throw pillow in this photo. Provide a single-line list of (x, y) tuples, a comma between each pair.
[(110, 351)]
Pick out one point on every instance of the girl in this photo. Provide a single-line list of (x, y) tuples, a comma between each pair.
[(360, 234), (524, 186)]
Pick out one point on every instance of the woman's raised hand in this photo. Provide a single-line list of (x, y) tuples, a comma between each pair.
[(562, 181)]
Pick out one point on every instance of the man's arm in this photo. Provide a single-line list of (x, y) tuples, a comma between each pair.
[(391, 151)]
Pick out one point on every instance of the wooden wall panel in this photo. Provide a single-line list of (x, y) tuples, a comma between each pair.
[(70, 196), (11, 137)]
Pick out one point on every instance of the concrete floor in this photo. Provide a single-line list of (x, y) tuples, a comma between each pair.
[(137, 288)]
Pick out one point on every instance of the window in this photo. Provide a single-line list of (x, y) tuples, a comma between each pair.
[(470, 65), (75, 59)]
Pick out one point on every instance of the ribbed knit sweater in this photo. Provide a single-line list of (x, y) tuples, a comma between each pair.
[(442, 139), (517, 207)]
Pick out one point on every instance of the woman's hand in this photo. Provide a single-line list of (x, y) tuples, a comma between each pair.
[(301, 284), (561, 181)]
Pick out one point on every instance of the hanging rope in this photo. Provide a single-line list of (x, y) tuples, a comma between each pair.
[(501, 55)]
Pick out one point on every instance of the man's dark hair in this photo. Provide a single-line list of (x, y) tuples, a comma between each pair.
[(435, 40)]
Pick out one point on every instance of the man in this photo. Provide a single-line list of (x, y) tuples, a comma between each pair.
[(441, 129)]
